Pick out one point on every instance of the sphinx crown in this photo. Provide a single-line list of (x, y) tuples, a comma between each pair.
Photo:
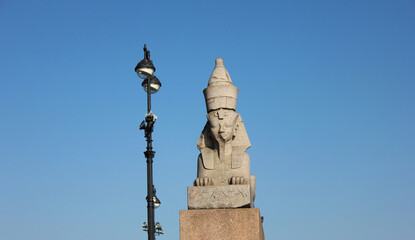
[(220, 92)]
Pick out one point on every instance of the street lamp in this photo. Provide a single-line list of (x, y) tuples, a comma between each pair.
[(145, 67), (154, 83), (151, 85)]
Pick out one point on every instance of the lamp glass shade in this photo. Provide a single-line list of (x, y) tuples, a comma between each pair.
[(144, 72), (145, 68), (155, 84), (156, 202)]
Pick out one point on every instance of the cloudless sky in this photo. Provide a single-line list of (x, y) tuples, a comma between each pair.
[(326, 92)]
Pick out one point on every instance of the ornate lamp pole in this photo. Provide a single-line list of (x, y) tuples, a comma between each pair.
[(151, 85)]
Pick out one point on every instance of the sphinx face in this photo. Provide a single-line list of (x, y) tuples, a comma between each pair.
[(222, 125)]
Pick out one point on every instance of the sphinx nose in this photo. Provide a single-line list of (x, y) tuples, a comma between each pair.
[(221, 128)]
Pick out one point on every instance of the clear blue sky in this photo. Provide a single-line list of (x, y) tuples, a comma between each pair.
[(326, 91)]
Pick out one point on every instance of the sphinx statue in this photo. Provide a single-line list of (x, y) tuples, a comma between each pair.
[(223, 162)]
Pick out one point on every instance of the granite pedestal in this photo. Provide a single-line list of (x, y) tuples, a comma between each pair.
[(221, 224)]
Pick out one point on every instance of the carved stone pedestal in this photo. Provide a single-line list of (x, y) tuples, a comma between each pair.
[(221, 224), (209, 197)]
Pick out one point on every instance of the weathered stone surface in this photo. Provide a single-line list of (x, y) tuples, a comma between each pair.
[(233, 196), (222, 160), (221, 224)]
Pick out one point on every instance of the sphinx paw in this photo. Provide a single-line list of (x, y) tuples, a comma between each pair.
[(201, 181), (237, 181)]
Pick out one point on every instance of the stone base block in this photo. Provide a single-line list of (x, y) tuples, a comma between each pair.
[(221, 224), (213, 197)]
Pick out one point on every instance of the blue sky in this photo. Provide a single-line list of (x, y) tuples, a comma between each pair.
[(326, 92)]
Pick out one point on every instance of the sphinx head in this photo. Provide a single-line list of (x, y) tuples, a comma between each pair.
[(222, 124)]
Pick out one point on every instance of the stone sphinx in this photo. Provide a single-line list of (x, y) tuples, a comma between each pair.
[(223, 167)]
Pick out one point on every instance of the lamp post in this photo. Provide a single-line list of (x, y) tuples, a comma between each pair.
[(151, 85)]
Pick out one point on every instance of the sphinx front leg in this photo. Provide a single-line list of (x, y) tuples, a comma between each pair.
[(203, 177), (239, 174)]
